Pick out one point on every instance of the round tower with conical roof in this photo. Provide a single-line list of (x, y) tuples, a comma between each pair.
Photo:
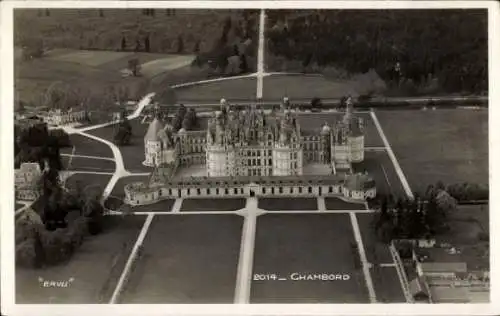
[(152, 143)]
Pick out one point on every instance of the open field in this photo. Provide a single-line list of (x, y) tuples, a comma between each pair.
[(387, 285), (95, 269), (237, 89), (87, 147), (443, 145), (306, 243), (185, 261), (208, 205), (74, 28), (88, 164), (332, 203), (287, 203)]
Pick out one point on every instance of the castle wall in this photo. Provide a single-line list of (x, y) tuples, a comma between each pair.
[(357, 145), (144, 196)]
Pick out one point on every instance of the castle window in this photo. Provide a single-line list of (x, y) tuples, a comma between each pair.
[(272, 190), (310, 189), (235, 191), (217, 191), (330, 189), (188, 191), (300, 189), (160, 192), (169, 191), (270, 162), (291, 190), (226, 191), (263, 190), (208, 191), (281, 190)]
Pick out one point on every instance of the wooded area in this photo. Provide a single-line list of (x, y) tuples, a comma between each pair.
[(450, 45)]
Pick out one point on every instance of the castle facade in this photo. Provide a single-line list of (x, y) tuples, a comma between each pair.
[(251, 143)]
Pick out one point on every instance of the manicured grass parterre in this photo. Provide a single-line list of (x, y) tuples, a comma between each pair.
[(306, 243), (443, 145), (87, 147), (95, 268), (88, 164), (315, 121), (333, 203), (187, 259), (234, 89), (18, 206), (288, 203), (387, 285), (210, 205)]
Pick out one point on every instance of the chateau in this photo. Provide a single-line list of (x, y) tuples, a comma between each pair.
[(250, 153), (250, 143)]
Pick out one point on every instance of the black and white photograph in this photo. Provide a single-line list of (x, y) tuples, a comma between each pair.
[(192, 154)]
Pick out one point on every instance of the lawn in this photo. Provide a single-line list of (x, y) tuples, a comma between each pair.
[(210, 205), (18, 206), (311, 243), (285, 204), (95, 268), (332, 203), (87, 147), (231, 90), (305, 87), (443, 145), (314, 122), (380, 167), (376, 251), (387, 285), (88, 164), (187, 259), (88, 181), (133, 154)]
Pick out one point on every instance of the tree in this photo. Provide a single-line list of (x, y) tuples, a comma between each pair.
[(190, 120), (196, 48), (180, 44), (124, 44), (146, 44), (134, 66)]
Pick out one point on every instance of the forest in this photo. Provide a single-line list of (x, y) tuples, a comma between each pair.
[(448, 44)]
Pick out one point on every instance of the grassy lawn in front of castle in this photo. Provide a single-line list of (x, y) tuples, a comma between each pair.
[(306, 244), (288, 204), (87, 164), (442, 145), (187, 259), (95, 268), (212, 205), (87, 147)]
